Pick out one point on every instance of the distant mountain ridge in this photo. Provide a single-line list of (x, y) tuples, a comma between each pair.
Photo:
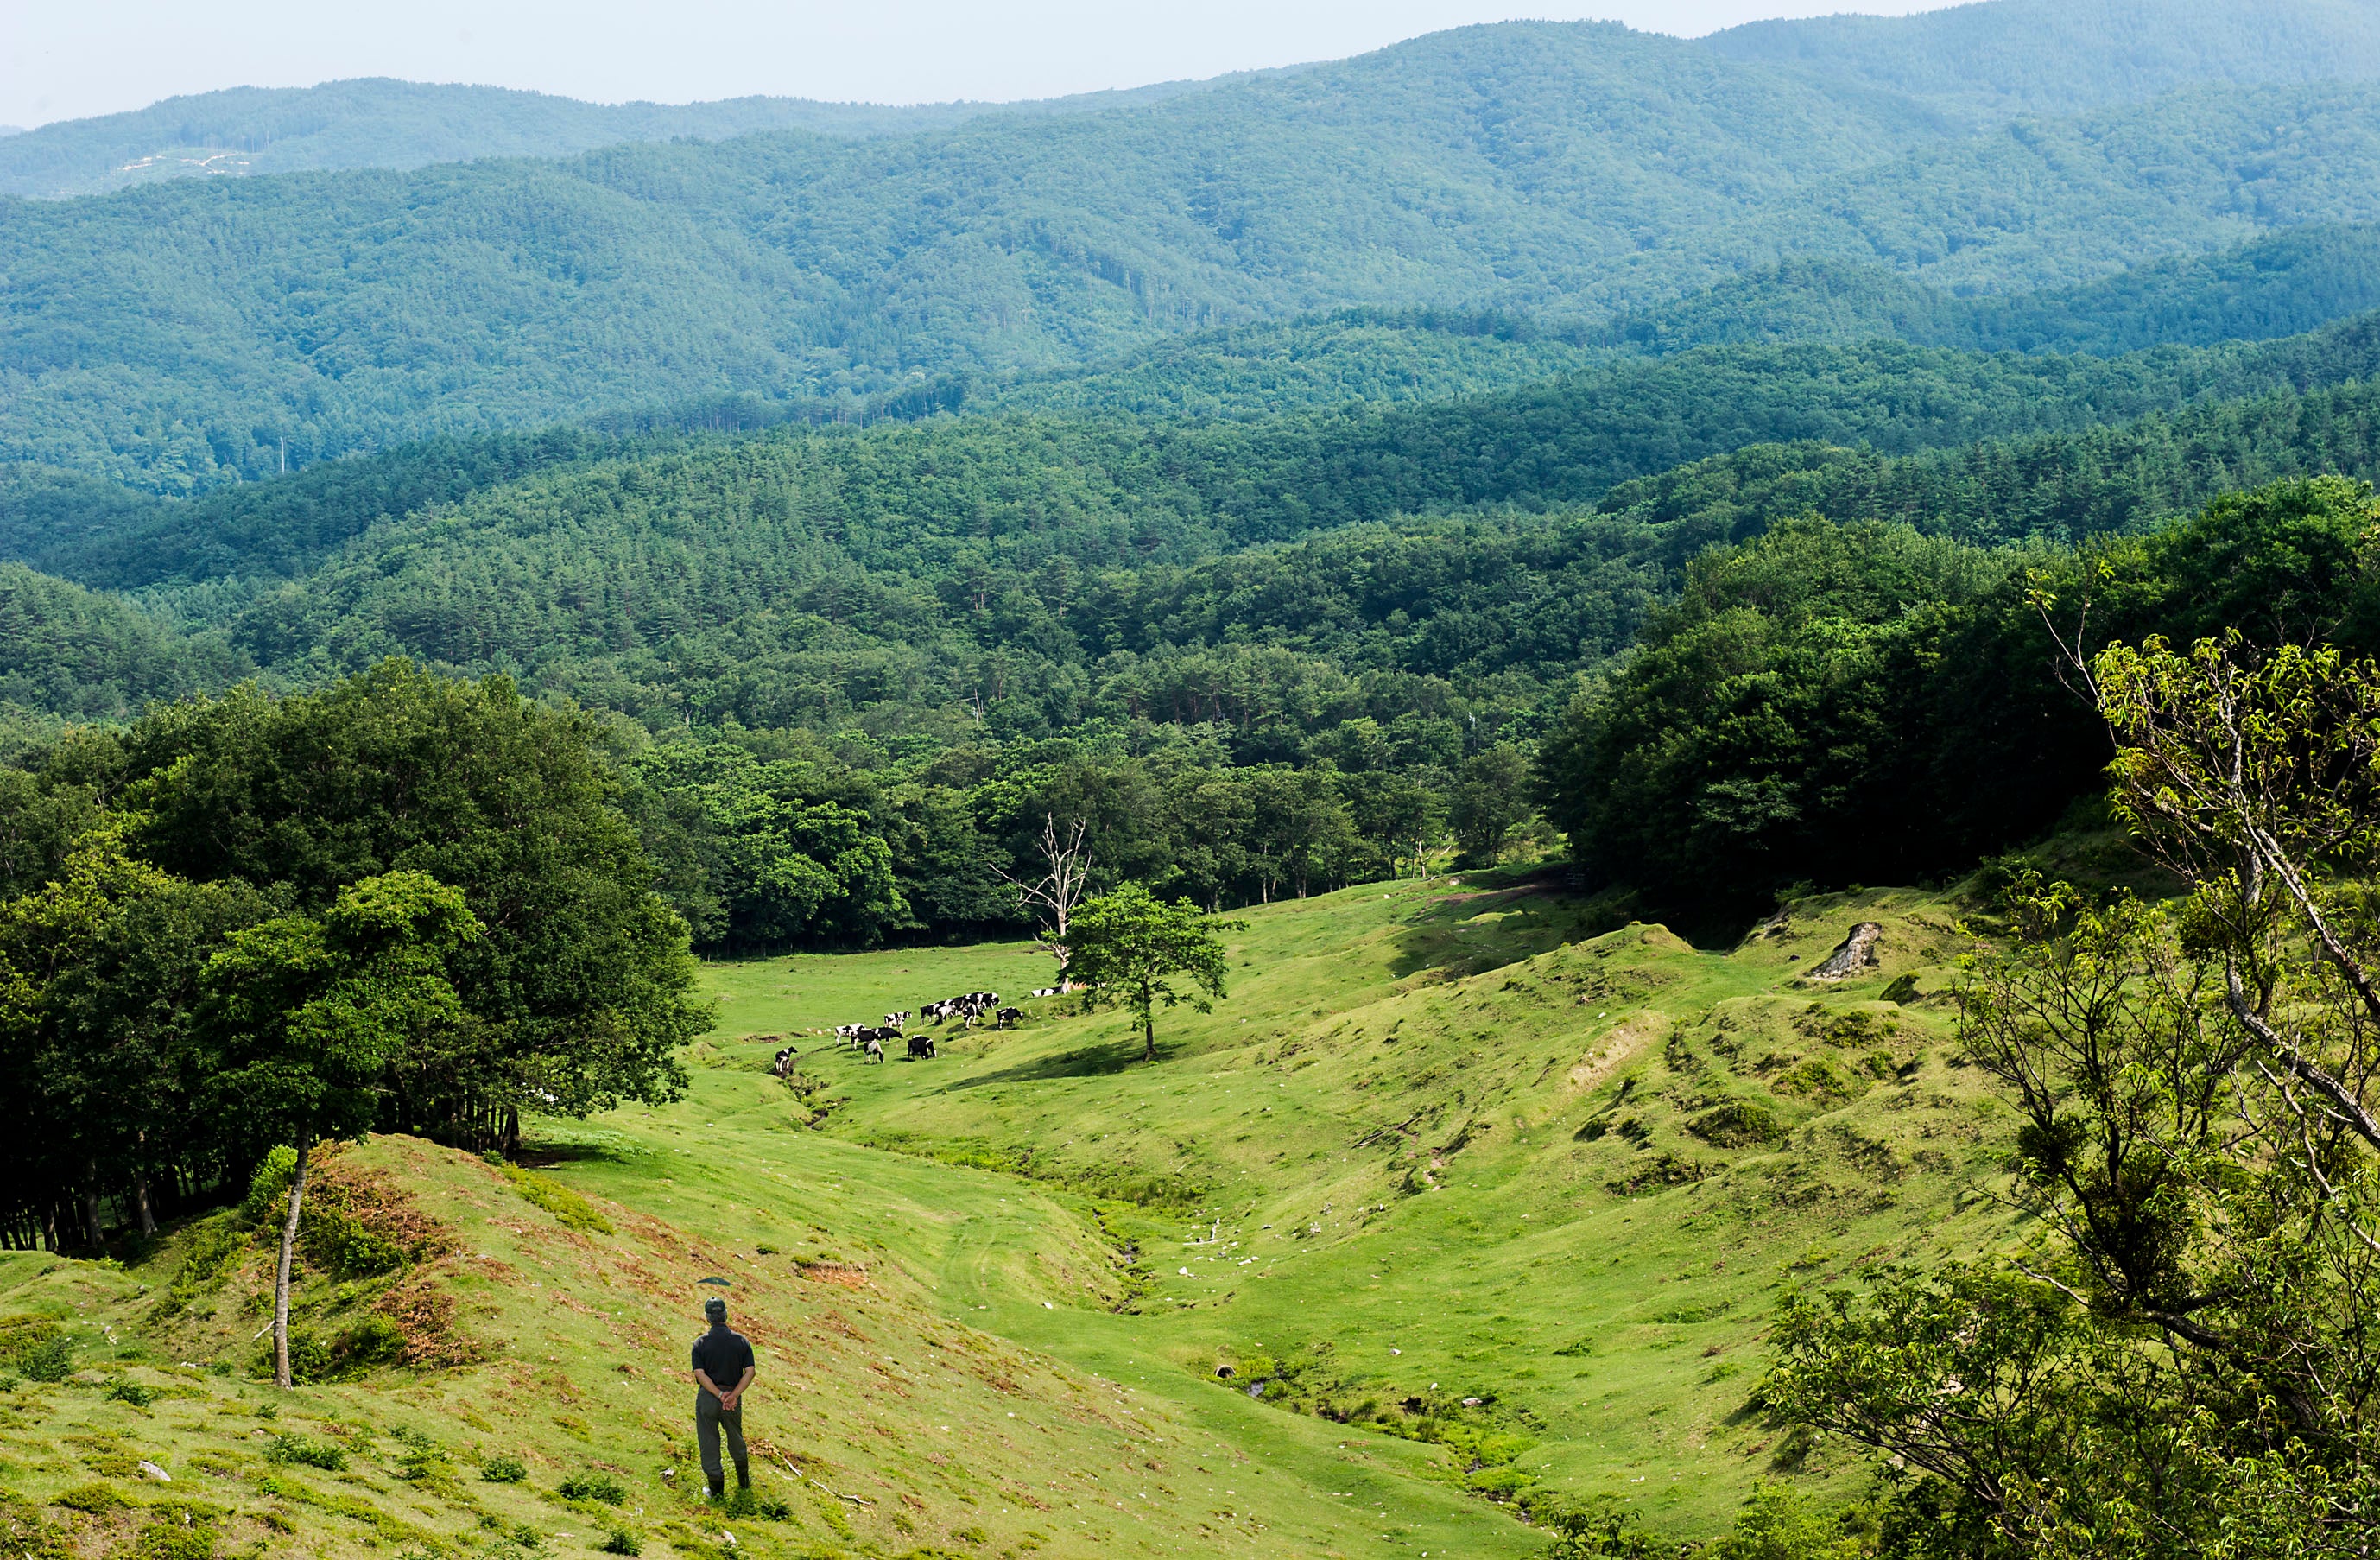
[(1994, 61), (174, 335), (1974, 65), (378, 122)]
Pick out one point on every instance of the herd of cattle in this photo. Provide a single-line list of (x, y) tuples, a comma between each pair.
[(869, 1039)]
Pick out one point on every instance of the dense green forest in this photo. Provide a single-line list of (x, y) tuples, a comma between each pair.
[(362, 308), (1254, 644), (405, 902)]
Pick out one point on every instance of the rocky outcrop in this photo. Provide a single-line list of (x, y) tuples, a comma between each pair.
[(1856, 953)]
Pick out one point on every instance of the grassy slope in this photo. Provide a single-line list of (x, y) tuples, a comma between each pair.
[(1482, 1232), (1522, 1075)]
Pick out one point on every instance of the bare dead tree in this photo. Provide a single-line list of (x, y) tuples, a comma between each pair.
[(1064, 880)]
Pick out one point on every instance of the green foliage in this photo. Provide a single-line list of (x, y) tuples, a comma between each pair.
[(503, 1470), (599, 1486), (1127, 946), (376, 122), (306, 1452), (267, 1200), (93, 1497), (1834, 704), (1737, 1124), (621, 1541), (130, 1391), (161, 1541), (1779, 1522)]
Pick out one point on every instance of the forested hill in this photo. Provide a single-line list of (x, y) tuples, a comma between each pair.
[(378, 123), (176, 335), (2286, 284), (1983, 63), (1990, 62), (809, 577), (1107, 491)]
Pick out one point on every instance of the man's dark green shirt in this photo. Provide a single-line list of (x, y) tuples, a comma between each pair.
[(724, 1355)]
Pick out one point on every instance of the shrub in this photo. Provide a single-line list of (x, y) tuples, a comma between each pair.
[(94, 1498), (375, 1340), (287, 1448), (50, 1360), (131, 1392), (622, 1542), (594, 1487), (1821, 1076), (267, 1200), (339, 1242), (207, 1250), (162, 1540), (504, 1470), (1735, 1125), (775, 1510), (310, 1358)]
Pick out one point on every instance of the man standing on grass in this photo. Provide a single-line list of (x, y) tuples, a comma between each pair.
[(721, 1355)]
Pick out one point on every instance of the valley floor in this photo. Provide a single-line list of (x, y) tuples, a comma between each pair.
[(1491, 1206)]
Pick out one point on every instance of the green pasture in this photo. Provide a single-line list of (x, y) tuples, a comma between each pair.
[(1438, 1144)]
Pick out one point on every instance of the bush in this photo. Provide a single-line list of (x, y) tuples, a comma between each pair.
[(50, 1360), (95, 1498), (375, 1340), (267, 1201), (339, 1242), (131, 1392), (1735, 1125), (162, 1540), (504, 1470), (594, 1487), (310, 1358), (287, 1448), (622, 1542)]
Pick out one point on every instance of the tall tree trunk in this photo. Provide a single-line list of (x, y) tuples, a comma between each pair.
[(141, 1192), (511, 1146), (281, 1282), (91, 1226)]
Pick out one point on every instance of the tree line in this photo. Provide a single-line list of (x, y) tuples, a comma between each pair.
[(773, 842), (403, 903), (1833, 704)]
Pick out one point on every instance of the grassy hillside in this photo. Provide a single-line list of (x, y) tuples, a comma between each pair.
[(1393, 1138), (1435, 1147)]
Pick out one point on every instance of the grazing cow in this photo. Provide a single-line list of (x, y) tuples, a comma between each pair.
[(1008, 1016), (921, 1045), (1046, 990), (875, 1050), (785, 1061)]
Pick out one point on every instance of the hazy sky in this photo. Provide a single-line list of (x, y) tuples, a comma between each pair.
[(66, 59)]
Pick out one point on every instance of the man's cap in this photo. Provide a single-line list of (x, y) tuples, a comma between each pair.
[(715, 1309)]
